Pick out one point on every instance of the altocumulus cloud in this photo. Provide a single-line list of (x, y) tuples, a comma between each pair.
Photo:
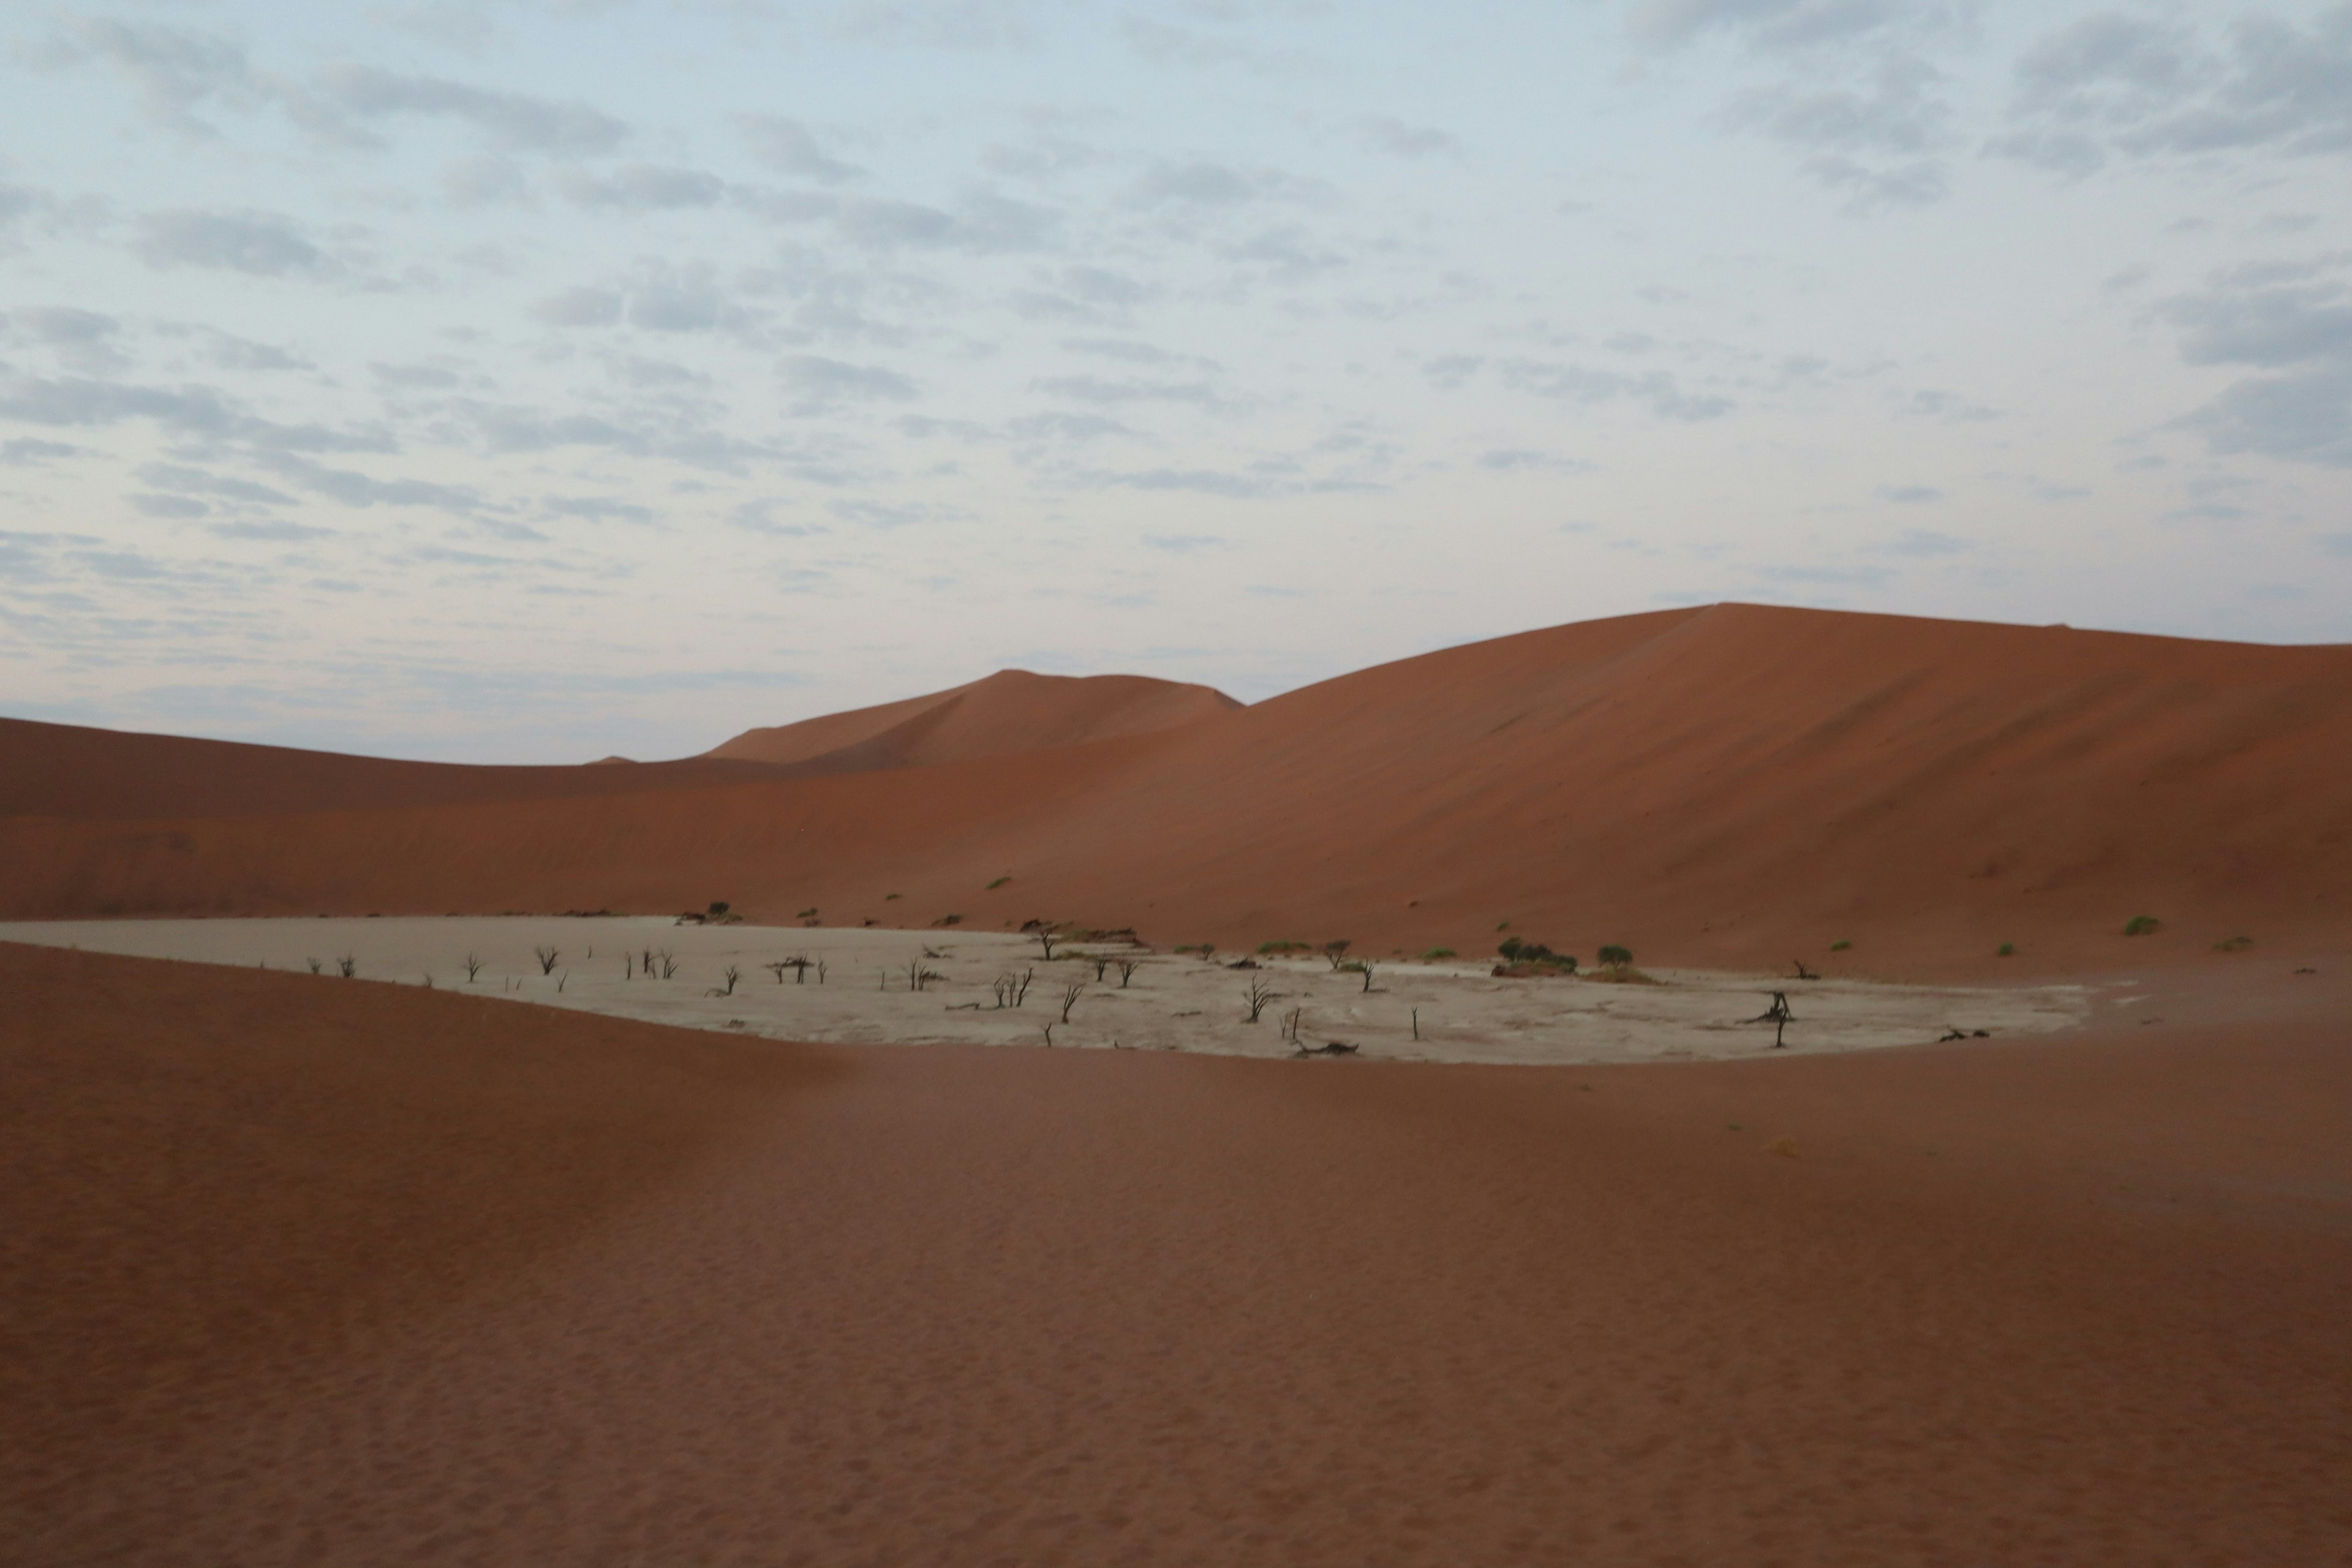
[(2292, 323), (265, 243)]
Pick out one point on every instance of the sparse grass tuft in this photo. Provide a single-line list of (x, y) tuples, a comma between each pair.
[(948, 920), (2006, 950), (2235, 944), (2142, 925), (1282, 947), (992, 885), (1434, 954), (1840, 945)]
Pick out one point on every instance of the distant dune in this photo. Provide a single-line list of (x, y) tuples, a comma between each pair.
[(1012, 711), (1730, 785)]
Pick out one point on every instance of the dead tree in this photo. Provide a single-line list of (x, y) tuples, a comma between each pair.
[(473, 967), (1290, 1024), (1802, 972), (547, 957), (316, 966), (628, 966), (1101, 962), (1047, 939), (1777, 1015), (669, 965), (1127, 968), (732, 976), (1366, 965), (1259, 994), (346, 966), (1070, 995), (1337, 953)]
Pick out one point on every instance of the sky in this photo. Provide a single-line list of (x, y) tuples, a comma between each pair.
[(535, 380)]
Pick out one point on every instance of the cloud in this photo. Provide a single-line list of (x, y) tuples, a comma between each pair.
[(1581, 384), (683, 300), (823, 383), (789, 147), (1928, 403), (1165, 44), (170, 506), (759, 517), (1521, 460), (264, 244), (581, 306), (1773, 24), (272, 530), (357, 489), (1394, 138), (1875, 140), (2292, 323), (174, 72), (982, 225), (1057, 425), (196, 410), (1200, 182), (26, 450), (197, 481), (642, 188), (599, 509), (2114, 86), (1910, 495), (1085, 293), (509, 120), (1099, 389)]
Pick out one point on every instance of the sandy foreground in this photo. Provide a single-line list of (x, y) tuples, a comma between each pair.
[(294, 1271), (861, 988)]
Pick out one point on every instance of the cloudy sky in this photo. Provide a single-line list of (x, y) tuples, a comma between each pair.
[(527, 380)]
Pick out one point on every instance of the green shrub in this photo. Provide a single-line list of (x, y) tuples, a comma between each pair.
[(2006, 950), (1616, 957), (998, 883), (2234, 945), (1437, 952), (948, 920), (1840, 945), (1282, 947), (2141, 925)]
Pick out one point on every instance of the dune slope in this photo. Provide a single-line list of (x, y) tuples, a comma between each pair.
[(1012, 711), (1733, 785), (313, 1270)]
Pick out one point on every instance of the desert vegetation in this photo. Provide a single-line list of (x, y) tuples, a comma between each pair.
[(1523, 960)]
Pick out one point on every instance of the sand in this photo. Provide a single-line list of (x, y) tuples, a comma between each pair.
[(1009, 712), (296, 1272), (865, 992), (1727, 787)]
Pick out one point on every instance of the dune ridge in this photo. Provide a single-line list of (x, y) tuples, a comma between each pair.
[(1010, 711), (1722, 786)]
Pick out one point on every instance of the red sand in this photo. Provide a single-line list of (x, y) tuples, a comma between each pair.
[(300, 1270), (1010, 711), (1728, 787)]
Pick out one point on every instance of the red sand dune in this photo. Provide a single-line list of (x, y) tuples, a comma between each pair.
[(1012, 711), (300, 1271), (1732, 785)]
